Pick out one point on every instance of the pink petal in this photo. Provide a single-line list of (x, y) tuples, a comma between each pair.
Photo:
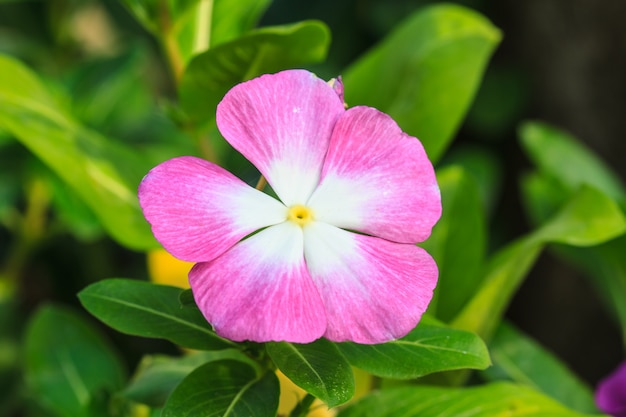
[(377, 180), (373, 290), (198, 210), (282, 123), (260, 290)]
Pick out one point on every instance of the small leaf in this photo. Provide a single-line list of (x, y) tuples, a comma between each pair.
[(159, 375), (70, 368), (430, 347), (589, 218), (493, 400), (426, 72), (149, 310), (518, 358), (317, 367), (224, 388), (211, 74), (458, 242), (562, 157), (104, 174)]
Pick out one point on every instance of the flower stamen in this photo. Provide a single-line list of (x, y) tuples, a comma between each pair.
[(299, 214)]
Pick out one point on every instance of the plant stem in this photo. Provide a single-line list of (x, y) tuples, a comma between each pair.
[(204, 18), (260, 185), (302, 408), (169, 43), (29, 232)]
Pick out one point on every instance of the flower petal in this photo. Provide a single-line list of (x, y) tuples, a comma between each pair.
[(610, 394), (373, 290), (282, 123), (260, 290), (198, 210), (377, 180)]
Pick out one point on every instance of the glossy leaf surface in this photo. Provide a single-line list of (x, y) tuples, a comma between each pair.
[(317, 367), (426, 72), (149, 310), (211, 74), (430, 347), (493, 400), (224, 389)]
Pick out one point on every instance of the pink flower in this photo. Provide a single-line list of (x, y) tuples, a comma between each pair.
[(335, 255), (611, 393)]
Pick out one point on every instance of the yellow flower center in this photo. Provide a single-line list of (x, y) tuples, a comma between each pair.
[(301, 215)]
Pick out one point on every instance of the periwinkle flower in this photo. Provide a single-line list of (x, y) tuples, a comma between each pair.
[(335, 255), (611, 393)]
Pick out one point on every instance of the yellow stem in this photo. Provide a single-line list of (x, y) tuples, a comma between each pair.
[(30, 231), (261, 184), (169, 42)]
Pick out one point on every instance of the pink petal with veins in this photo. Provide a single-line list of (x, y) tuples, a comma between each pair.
[(198, 210)]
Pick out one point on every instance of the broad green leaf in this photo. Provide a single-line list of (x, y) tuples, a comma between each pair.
[(562, 157), (104, 174), (518, 358), (158, 375), (457, 242), (493, 400), (211, 74), (224, 389), (317, 367), (589, 218), (70, 368), (150, 310), (426, 72), (430, 347)]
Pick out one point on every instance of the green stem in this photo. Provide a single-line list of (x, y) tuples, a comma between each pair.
[(302, 408), (169, 43), (29, 232)]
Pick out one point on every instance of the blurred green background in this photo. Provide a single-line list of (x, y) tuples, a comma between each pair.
[(560, 61)]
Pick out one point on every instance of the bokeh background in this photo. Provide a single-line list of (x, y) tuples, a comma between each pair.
[(560, 61)]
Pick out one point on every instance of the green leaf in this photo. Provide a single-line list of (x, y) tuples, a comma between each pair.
[(211, 74), (70, 368), (158, 375), (104, 174), (317, 367), (232, 18), (224, 388), (430, 347), (493, 400), (518, 358), (426, 73), (150, 310), (561, 156), (589, 218), (457, 242)]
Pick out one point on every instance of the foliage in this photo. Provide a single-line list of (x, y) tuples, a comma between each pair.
[(80, 128)]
